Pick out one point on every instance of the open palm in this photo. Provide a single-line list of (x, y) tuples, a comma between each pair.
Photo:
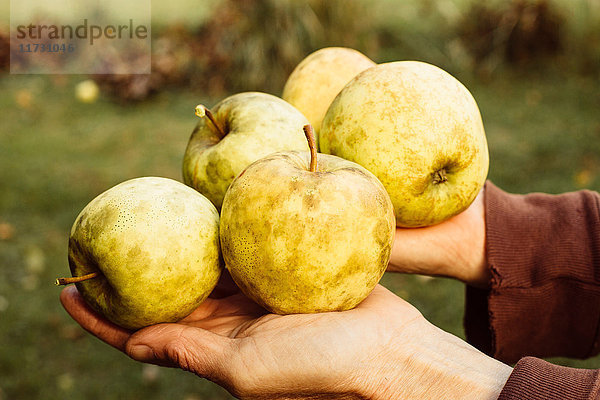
[(237, 344)]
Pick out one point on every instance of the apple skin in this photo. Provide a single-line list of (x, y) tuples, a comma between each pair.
[(408, 122), (257, 124), (319, 77), (155, 243), (297, 241)]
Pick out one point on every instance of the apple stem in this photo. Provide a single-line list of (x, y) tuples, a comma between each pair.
[(202, 111), (75, 279), (310, 136), (440, 176)]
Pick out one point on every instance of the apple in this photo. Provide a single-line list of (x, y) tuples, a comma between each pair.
[(317, 79), (419, 130), (145, 251), (238, 131), (306, 233)]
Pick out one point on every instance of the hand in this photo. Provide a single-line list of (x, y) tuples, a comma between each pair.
[(383, 348), (454, 248)]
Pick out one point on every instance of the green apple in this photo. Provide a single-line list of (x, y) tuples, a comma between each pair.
[(318, 78), (419, 130), (145, 251), (304, 234), (240, 129)]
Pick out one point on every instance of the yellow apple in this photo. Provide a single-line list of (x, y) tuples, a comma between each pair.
[(419, 130), (304, 233), (145, 251), (238, 131), (318, 78)]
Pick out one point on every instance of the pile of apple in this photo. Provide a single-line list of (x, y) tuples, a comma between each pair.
[(402, 144)]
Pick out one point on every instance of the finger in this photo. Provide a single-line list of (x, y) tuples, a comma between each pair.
[(91, 321), (192, 349)]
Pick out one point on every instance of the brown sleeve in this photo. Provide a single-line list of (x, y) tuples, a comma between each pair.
[(536, 379), (544, 298)]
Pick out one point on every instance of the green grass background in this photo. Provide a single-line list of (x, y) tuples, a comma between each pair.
[(57, 154)]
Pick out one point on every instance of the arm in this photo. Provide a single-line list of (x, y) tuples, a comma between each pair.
[(532, 266), (543, 254), (383, 349)]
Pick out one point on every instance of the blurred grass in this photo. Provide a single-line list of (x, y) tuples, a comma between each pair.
[(56, 154)]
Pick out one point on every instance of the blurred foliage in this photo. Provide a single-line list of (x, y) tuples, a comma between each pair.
[(259, 42), (255, 44), (520, 33), (250, 45), (532, 35), (465, 36)]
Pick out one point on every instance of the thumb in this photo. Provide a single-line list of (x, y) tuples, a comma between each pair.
[(174, 345)]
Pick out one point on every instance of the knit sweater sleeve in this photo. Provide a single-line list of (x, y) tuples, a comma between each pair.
[(543, 252)]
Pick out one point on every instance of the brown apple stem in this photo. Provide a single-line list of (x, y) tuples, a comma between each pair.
[(440, 176), (202, 111), (75, 279), (312, 145)]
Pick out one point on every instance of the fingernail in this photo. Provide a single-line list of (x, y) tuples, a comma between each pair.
[(141, 352)]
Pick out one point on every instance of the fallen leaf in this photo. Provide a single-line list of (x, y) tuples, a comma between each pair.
[(584, 177), (24, 98), (7, 231)]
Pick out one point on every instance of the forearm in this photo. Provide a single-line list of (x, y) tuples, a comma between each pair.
[(440, 366)]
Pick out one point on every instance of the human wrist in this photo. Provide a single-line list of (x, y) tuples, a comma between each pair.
[(435, 364), (467, 263)]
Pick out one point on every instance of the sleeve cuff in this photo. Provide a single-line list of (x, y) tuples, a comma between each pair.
[(535, 379)]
